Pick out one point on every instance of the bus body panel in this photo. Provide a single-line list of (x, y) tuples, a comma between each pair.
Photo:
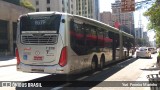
[(42, 58), (45, 58)]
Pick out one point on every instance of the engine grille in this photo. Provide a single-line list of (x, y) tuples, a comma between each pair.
[(39, 39)]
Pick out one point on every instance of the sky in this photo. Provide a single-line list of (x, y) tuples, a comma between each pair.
[(105, 5)]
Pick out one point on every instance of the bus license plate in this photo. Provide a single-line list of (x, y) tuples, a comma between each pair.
[(37, 69)]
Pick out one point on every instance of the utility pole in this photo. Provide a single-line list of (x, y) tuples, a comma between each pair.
[(119, 12), (140, 25)]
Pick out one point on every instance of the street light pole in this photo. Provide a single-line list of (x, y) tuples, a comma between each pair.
[(119, 15)]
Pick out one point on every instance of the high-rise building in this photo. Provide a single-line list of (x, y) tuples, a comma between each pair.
[(126, 18), (96, 8), (145, 36), (87, 8), (54, 5), (106, 17), (138, 32)]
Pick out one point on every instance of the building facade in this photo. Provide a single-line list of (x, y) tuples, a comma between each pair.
[(139, 33), (8, 26), (106, 17), (126, 19), (145, 36), (87, 8), (52, 5)]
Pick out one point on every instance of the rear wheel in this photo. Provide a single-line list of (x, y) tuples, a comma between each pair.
[(102, 63), (93, 66)]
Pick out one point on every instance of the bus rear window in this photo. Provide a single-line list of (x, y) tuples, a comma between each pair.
[(40, 23)]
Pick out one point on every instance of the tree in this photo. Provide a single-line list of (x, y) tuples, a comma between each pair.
[(27, 4), (153, 13)]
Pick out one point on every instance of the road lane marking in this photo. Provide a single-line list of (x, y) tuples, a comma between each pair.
[(61, 86), (125, 61), (105, 68), (82, 78), (97, 72)]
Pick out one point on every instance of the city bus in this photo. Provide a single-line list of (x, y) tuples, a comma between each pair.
[(61, 43)]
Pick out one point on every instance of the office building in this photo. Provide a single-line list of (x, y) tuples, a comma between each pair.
[(126, 18), (87, 8)]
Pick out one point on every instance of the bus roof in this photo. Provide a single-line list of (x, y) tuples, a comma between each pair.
[(126, 34), (51, 12), (98, 23), (95, 22)]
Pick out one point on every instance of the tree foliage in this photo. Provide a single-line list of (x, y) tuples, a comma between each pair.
[(153, 13), (27, 4)]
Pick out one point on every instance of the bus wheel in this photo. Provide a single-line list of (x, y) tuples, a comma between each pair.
[(93, 66), (102, 63)]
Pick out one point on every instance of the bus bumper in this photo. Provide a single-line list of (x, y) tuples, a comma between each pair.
[(51, 69)]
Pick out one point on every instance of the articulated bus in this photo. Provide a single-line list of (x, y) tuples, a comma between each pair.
[(61, 43)]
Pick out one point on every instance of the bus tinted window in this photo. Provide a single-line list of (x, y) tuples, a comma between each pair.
[(77, 39), (40, 23), (100, 38)]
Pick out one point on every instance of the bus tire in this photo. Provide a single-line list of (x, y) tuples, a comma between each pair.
[(93, 65), (102, 62)]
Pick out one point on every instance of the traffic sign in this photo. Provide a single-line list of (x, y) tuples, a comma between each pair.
[(127, 5)]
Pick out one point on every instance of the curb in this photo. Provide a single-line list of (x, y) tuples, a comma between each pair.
[(7, 65)]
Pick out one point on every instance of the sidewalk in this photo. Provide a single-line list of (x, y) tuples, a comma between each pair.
[(7, 61), (150, 69)]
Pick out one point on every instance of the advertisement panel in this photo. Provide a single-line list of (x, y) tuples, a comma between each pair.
[(127, 5)]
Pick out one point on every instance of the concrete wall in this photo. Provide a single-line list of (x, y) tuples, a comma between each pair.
[(10, 13)]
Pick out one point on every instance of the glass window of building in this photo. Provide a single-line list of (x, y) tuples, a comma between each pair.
[(72, 6), (48, 1), (37, 2), (48, 9), (63, 9), (37, 9)]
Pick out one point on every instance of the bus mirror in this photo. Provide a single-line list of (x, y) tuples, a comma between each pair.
[(63, 21)]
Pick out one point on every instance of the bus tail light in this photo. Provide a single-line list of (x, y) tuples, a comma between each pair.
[(63, 57), (17, 55)]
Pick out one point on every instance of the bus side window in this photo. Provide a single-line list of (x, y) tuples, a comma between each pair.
[(77, 39), (125, 43), (100, 38), (107, 41), (72, 25), (93, 37)]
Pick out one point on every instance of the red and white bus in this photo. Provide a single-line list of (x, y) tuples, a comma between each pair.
[(61, 43)]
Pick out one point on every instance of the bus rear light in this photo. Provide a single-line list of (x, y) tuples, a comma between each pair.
[(63, 57), (17, 55)]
